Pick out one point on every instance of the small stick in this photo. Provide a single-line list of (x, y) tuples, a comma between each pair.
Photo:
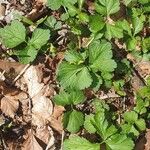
[(21, 73)]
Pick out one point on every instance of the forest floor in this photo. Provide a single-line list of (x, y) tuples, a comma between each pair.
[(29, 117)]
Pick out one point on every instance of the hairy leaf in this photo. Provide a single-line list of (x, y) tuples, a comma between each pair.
[(13, 35)]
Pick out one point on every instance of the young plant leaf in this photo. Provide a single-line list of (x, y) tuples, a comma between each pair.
[(130, 117), (39, 38), (100, 57), (107, 7), (78, 143), (96, 23), (75, 121), (88, 123), (28, 54), (62, 99), (76, 97), (74, 76), (119, 142), (12, 35)]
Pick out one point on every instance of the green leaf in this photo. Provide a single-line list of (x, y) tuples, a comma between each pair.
[(73, 76), (119, 142), (78, 143), (140, 123), (50, 21), (62, 99), (107, 7), (113, 31), (131, 44), (13, 35), (127, 2), (39, 38), (27, 54), (100, 57), (54, 4), (96, 23), (125, 26), (138, 23), (84, 78), (88, 123), (76, 97), (129, 129), (103, 127), (73, 56), (75, 121), (143, 1), (130, 117)]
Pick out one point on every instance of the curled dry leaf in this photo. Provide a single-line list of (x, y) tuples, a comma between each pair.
[(31, 143), (43, 134), (42, 106), (42, 109), (56, 119), (9, 106)]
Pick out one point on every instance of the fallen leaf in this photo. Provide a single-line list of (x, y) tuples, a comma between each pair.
[(31, 143), (9, 106), (42, 109), (56, 119), (147, 145), (43, 134), (42, 106)]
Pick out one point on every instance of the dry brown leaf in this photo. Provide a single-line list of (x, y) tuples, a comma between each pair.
[(41, 1), (31, 143), (42, 106), (56, 119), (43, 134), (147, 145), (42, 109), (9, 106), (58, 111), (31, 79), (7, 66)]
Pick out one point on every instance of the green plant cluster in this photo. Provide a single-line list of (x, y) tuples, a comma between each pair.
[(91, 61)]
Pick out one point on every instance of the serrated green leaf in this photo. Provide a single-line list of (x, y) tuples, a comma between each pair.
[(129, 129), (88, 123), (54, 4), (140, 123), (75, 121), (62, 99), (119, 142), (104, 129), (78, 143), (138, 23), (27, 54), (39, 38), (74, 76), (130, 117), (125, 26), (113, 31), (76, 97), (12, 35), (96, 23), (50, 21), (73, 56), (100, 57), (107, 7), (84, 78)]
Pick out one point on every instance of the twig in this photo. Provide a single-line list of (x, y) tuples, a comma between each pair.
[(21, 73), (62, 139)]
